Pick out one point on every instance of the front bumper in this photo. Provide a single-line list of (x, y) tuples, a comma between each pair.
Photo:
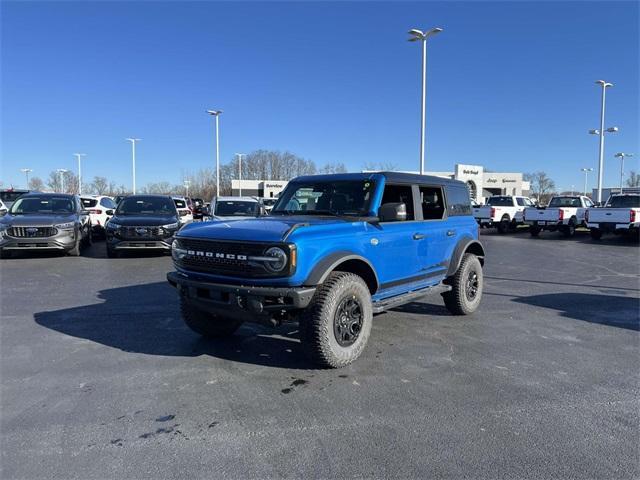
[(64, 240), (246, 303)]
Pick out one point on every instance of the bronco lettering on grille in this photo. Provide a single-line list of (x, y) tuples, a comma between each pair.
[(228, 256)]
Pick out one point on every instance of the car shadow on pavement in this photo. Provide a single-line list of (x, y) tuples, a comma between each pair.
[(146, 319), (611, 310)]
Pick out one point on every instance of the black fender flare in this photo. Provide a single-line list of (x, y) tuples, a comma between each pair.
[(462, 246), (324, 267)]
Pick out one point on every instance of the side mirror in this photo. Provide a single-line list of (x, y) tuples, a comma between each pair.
[(109, 212), (392, 212)]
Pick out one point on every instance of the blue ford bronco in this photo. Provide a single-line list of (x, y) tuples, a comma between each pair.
[(334, 250)]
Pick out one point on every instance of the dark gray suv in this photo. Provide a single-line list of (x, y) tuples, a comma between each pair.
[(45, 221)]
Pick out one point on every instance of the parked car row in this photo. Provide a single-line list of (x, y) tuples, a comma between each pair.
[(564, 213)]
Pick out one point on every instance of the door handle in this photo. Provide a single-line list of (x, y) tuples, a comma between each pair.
[(451, 233), (418, 236)]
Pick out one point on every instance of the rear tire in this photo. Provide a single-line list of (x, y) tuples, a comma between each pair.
[(534, 231), (207, 324), (503, 226), (467, 285), (569, 230), (335, 327), (596, 233)]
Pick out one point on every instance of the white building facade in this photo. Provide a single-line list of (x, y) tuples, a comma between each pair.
[(257, 188)]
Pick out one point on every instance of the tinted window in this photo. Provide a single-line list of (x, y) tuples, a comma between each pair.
[(10, 196), (565, 202), (399, 194), (520, 201), (624, 201), (89, 202), (347, 197), (44, 205), (107, 202), (458, 201), (146, 206), (229, 208), (432, 203), (500, 201)]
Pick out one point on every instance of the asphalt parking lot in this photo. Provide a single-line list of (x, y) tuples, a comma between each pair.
[(100, 379)]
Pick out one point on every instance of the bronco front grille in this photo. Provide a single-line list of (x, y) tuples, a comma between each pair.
[(32, 232), (223, 258)]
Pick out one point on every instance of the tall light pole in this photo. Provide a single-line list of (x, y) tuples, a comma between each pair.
[(27, 171), (586, 173), (79, 157), (604, 85), (61, 172), (186, 184), (240, 155), (216, 114), (423, 36), (621, 156), (133, 161)]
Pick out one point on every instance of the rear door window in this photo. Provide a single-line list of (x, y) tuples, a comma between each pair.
[(432, 203)]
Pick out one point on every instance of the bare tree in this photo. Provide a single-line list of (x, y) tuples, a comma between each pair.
[(333, 168), (542, 186), (381, 167), (99, 185), (69, 179), (36, 184), (634, 179)]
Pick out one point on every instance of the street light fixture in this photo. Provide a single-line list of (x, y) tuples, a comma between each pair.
[(586, 173), (186, 184), (240, 155), (79, 157), (621, 156), (133, 161), (27, 171), (419, 35), (216, 114), (600, 132), (62, 171)]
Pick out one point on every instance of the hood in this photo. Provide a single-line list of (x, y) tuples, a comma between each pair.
[(143, 220), (267, 229), (36, 220)]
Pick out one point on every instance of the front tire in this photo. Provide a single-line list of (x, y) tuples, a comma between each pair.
[(336, 325), (207, 324), (467, 286), (75, 251)]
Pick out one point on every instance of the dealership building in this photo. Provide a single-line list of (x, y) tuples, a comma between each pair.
[(482, 184)]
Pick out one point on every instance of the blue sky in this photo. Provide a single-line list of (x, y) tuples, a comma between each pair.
[(510, 84)]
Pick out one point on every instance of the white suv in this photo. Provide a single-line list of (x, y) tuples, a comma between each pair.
[(98, 206)]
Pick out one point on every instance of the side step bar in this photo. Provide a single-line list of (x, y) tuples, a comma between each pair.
[(389, 303)]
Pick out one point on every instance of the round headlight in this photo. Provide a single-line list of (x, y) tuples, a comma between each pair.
[(177, 252), (279, 259)]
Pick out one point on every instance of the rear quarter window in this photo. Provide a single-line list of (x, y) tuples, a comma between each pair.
[(458, 201)]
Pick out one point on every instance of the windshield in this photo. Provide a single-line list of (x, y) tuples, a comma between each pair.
[(500, 201), (10, 196), (624, 201), (564, 202), (146, 206), (347, 197), (230, 208), (43, 205)]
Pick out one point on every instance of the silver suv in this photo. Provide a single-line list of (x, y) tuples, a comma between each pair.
[(45, 221)]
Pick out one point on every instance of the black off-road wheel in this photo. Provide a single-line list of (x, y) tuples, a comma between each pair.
[(467, 285), (596, 233), (534, 231), (207, 324), (336, 325), (503, 226)]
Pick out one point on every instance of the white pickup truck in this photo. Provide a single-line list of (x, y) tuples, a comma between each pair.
[(564, 213), (502, 211), (621, 215)]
